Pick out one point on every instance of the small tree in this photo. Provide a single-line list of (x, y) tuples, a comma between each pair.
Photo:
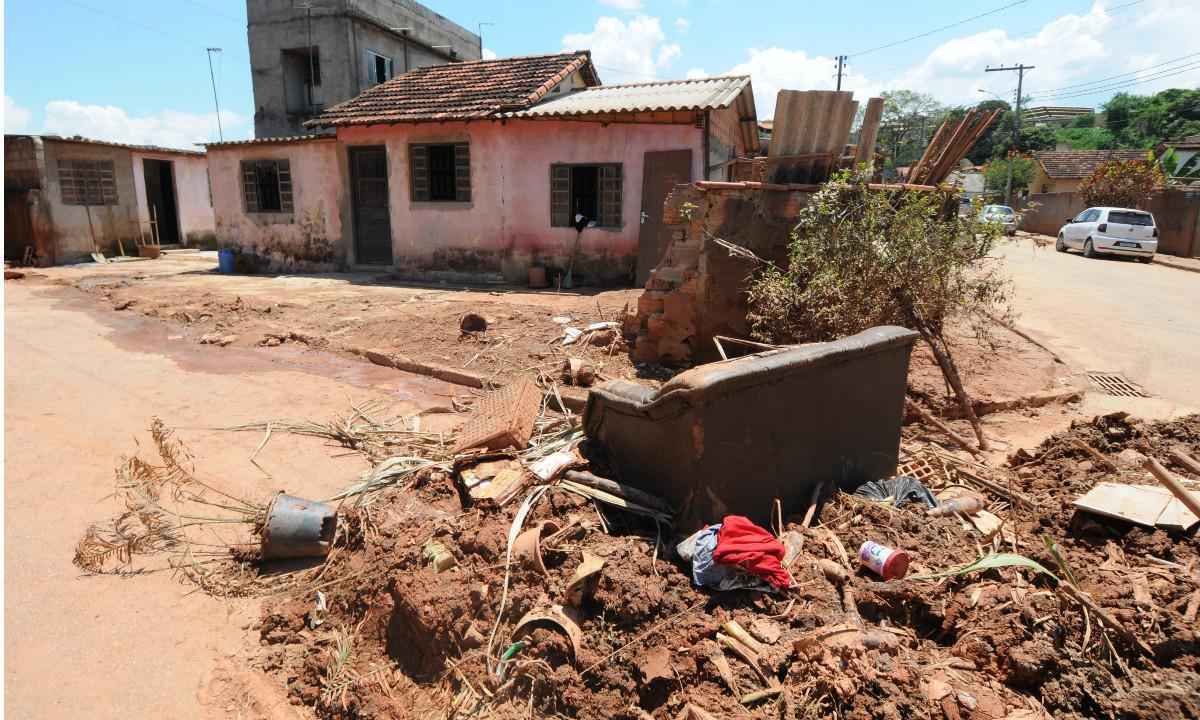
[(861, 257), (1122, 183), (996, 174)]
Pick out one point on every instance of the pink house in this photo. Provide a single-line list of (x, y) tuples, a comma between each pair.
[(484, 169)]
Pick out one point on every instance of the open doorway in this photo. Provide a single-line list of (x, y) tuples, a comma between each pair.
[(160, 199)]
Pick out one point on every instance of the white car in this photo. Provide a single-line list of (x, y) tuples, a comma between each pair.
[(1001, 214), (1110, 231)]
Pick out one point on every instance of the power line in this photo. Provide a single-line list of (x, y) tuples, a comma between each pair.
[(1056, 91), (940, 29), (1117, 86)]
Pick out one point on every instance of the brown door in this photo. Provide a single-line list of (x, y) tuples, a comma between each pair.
[(372, 219), (661, 171)]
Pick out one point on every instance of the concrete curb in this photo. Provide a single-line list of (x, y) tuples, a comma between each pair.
[(1172, 263)]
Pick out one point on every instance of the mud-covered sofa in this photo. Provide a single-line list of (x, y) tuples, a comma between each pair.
[(731, 436)]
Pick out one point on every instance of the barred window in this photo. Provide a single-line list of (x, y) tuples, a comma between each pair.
[(440, 173), (87, 182), (267, 186), (593, 191)]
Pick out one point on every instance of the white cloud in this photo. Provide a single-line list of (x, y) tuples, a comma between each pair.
[(489, 54), (696, 74), (169, 128), (775, 69), (16, 118), (682, 24), (632, 51), (627, 5)]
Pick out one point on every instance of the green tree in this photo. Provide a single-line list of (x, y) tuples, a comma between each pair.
[(908, 122), (996, 174), (861, 257), (1143, 121), (1119, 183), (1086, 138)]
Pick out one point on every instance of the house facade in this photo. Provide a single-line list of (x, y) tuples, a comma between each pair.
[(484, 169), (65, 198), (1059, 171), (307, 56)]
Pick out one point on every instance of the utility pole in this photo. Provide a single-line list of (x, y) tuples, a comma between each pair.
[(841, 67), (1016, 123), (211, 76), (480, 35)]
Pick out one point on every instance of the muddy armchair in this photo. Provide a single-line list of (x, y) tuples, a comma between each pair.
[(731, 436)]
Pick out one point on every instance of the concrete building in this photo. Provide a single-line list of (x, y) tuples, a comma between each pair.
[(65, 198), (304, 60), (479, 170)]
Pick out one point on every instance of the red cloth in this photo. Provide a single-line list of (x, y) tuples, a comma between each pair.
[(753, 549)]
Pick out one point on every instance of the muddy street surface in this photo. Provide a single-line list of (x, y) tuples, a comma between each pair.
[(80, 386)]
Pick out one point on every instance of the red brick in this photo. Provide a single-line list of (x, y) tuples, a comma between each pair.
[(649, 303)]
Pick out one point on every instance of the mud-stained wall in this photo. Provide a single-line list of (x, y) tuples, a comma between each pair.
[(505, 228), (308, 239), (698, 290), (73, 227), (197, 221)]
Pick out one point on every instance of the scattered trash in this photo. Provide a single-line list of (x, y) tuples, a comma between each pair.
[(297, 528), (753, 549), (438, 556), (583, 582), (527, 548), (572, 334), (898, 490), (218, 339), (698, 548), (883, 560), (498, 480), (548, 468), (502, 419), (968, 504), (473, 323), (316, 616), (1148, 505), (562, 619), (578, 372), (561, 319)]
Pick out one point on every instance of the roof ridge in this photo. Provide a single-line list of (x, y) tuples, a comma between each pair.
[(481, 61), (682, 81)]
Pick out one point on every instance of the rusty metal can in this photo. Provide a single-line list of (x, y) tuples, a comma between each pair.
[(887, 562)]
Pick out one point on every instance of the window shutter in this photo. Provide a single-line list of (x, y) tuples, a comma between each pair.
[(250, 186), (560, 196), (462, 172), (419, 160), (283, 170), (610, 195)]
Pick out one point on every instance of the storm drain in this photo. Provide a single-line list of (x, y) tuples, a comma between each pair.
[(1114, 384)]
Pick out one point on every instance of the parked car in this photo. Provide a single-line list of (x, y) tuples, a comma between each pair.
[(1110, 231), (1002, 214)]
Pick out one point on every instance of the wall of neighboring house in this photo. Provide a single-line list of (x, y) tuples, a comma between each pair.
[(26, 208), (1043, 183), (724, 139), (506, 226), (307, 239), (73, 227), (196, 219), (342, 36)]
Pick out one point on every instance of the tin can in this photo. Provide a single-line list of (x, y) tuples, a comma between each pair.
[(891, 564)]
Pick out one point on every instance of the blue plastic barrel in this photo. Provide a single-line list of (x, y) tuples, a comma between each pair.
[(225, 261)]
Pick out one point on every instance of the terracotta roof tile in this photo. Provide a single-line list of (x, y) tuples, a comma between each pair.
[(1081, 163), (459, 91)]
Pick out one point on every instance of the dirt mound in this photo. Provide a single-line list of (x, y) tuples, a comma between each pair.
[(401, 639)]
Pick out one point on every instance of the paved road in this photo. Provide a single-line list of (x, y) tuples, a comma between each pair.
[(1114, 315), (80, 384)]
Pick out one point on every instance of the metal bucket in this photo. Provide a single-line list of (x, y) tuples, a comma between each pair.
[(298, 528)]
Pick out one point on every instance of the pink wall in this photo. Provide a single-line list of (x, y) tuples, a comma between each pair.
[(308, 239), (506, 226), (196, 217)]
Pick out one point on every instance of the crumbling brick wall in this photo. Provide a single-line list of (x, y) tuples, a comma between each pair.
[(698, 290)]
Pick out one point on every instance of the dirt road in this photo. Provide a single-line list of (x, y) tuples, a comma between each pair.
[(81, 384), (1113, 315)]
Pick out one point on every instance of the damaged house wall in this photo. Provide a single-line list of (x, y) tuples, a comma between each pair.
[(505, 227), (72, 227), (301, 238), (698, 290)]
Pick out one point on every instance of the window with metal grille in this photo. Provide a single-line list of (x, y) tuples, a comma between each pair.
[(267, 186), (87, 182), (593, 191), (440, 173)]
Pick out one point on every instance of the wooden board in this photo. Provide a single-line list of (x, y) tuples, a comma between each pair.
[(1141, 504)]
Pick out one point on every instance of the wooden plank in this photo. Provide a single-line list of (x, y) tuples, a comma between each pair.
[(1140, 504), (869, 133)]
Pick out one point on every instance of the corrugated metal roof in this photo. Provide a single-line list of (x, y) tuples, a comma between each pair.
[(80, 140), (701, 94), (282, 140)]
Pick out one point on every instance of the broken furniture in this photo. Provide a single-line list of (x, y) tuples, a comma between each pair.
[(732, 436)]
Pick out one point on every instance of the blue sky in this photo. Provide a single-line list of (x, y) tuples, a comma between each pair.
[(136, 70)]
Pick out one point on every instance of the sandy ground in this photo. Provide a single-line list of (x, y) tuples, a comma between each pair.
[(80, 387), (1113, 315)]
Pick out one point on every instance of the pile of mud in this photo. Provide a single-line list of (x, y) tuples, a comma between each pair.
[(401, 640)]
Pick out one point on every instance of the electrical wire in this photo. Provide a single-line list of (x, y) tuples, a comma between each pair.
[(938, 30), (1057, 91), (1181, 70)]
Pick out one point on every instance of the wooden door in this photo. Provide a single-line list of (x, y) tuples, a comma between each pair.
[(661, 171), (372, 219)]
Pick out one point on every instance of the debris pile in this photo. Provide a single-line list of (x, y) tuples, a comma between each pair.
[(521, 582)]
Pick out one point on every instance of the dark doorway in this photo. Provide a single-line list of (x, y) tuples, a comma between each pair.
[(369, 190), (661, 171), (160, 199), (18, 225)]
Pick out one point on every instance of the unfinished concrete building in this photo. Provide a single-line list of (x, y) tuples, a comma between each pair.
[(307, 56)]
